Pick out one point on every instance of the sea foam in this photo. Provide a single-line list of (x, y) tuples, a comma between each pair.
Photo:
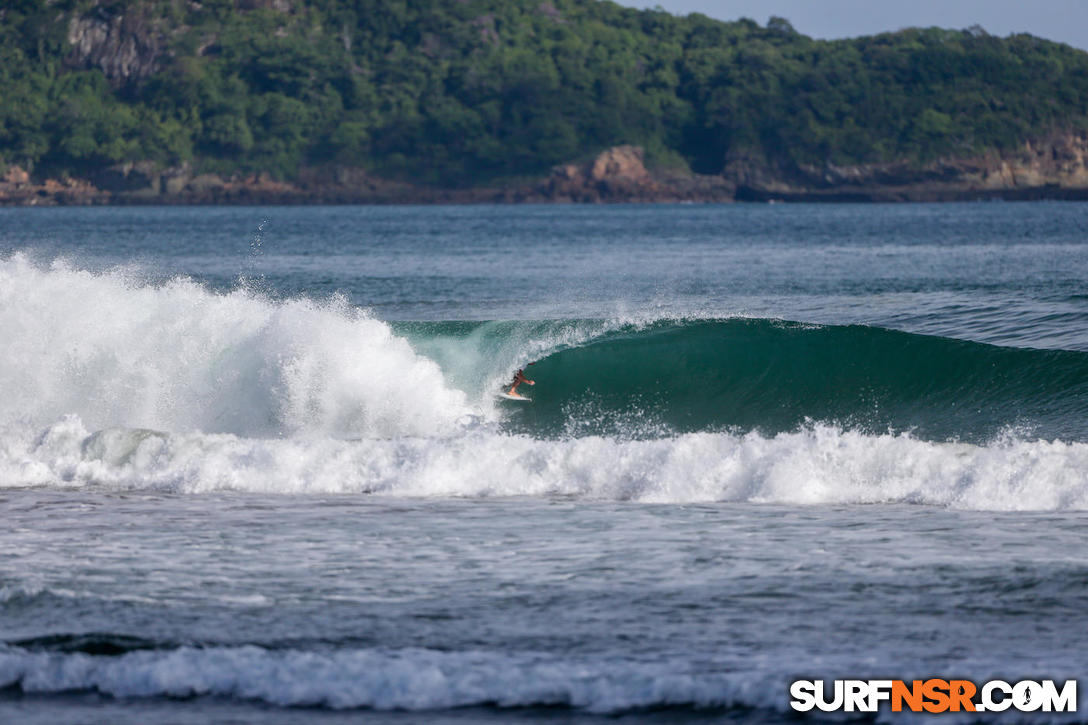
[(418, 679), (115, 383), (117, 351), (817, 465)]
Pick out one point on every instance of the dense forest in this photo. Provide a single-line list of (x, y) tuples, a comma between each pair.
[(458, 92)]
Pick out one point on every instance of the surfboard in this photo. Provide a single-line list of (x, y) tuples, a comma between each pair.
[(519, 398)]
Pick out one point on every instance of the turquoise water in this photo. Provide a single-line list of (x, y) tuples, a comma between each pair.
[(772, 376), (253, 460)]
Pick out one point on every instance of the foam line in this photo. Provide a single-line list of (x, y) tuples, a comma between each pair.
[(816, 465)]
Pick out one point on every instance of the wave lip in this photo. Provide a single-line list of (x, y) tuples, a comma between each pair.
[(120, 353)]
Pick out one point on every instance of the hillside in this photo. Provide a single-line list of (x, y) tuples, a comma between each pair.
[(468, 99)]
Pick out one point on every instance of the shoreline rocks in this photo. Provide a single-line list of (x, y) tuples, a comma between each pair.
[(1056, 168)]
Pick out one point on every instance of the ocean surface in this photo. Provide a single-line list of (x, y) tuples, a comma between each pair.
[(254, 468)]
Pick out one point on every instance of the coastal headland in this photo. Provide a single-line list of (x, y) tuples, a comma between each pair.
[(478, 101)]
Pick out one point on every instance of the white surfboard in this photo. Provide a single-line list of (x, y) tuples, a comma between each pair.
[(519, 398)]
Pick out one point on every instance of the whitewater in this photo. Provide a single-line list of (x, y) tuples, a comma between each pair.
[(116, 383), (763, 443)]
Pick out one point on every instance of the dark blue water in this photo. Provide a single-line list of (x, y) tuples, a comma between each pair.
[(1004, 273), (253, 467)]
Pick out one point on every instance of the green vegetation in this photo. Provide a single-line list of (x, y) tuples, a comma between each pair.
[(456, 92)]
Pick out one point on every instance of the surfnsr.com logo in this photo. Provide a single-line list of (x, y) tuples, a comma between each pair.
[(934, 695)]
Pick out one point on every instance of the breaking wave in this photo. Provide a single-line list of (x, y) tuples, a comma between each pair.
[(113, 382)]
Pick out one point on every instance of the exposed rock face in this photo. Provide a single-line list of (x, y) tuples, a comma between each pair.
[(1056, 167), (619, 174), (620, 164), (144, 183), (1061, 160), (122, 42), (18, 188), (280, 6), (15, 176)]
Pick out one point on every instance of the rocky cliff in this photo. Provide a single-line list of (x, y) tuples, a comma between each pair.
[(619, 174), (1054, 168), (124, 42)]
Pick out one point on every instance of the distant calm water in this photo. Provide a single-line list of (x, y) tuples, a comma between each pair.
[(252, 459)]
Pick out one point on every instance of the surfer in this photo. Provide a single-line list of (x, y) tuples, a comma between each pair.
[(519, 378)]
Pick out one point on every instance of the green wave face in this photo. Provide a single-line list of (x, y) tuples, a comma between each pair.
[(773, 376)]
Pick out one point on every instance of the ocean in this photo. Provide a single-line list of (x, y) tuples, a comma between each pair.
[(254, 467)]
